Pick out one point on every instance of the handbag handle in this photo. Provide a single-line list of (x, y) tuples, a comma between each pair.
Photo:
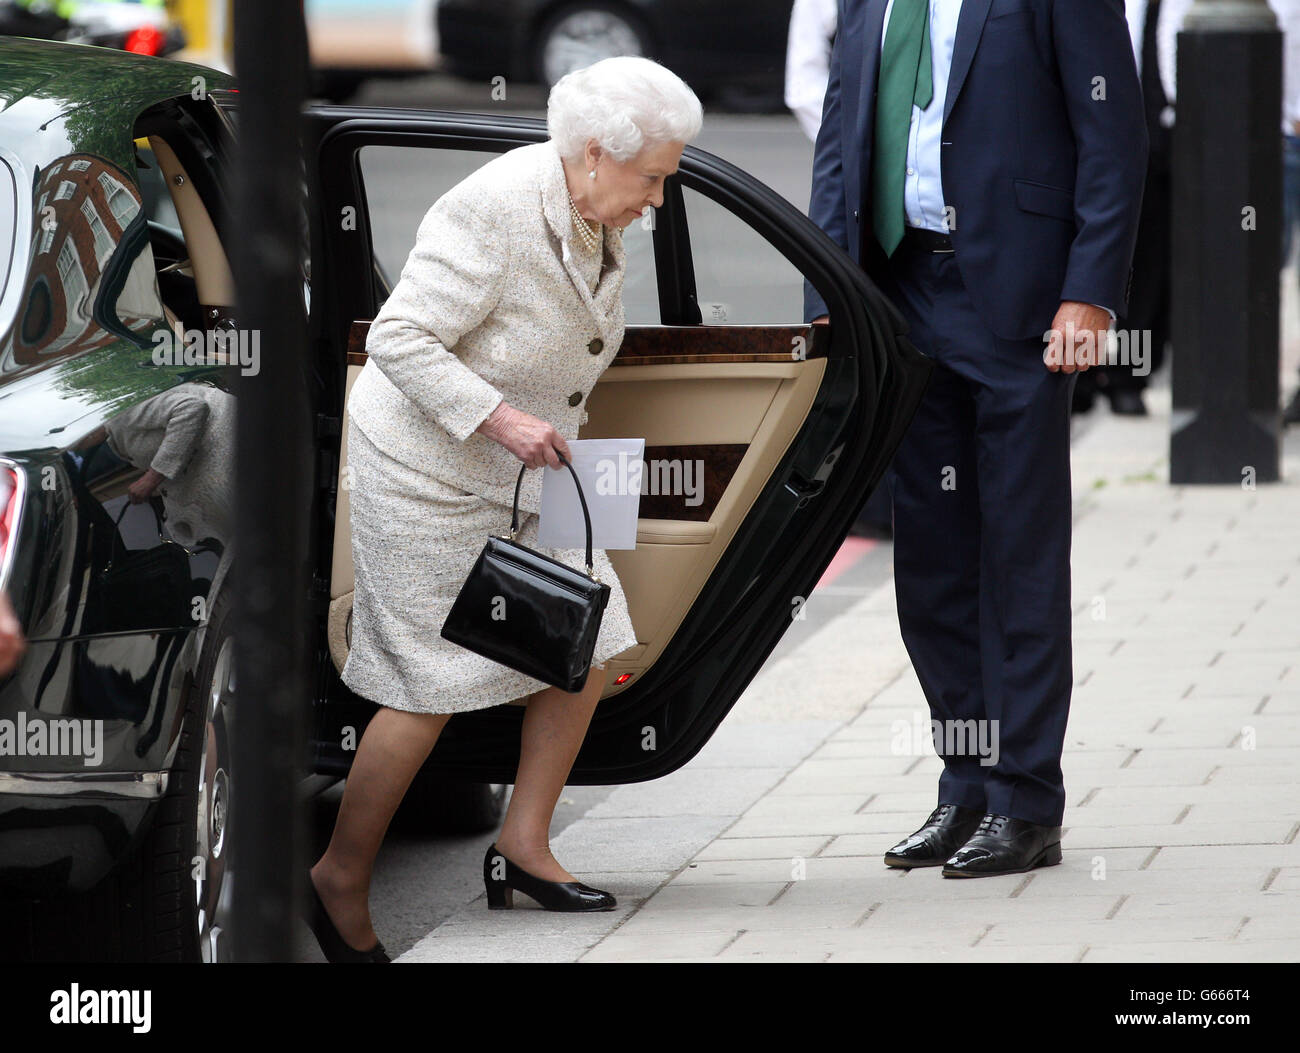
[(514, 516), (159, 514)]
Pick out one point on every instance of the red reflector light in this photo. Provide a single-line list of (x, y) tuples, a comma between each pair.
[(9, 497), (623, 678), (146, 40)]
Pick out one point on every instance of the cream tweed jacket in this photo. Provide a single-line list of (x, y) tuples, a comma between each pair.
[(491, 305)]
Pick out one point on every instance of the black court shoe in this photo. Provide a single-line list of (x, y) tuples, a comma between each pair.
[(502, 879), (336, 950)]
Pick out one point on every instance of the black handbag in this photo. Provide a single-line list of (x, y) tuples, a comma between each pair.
[(530, 612), (138, 590)]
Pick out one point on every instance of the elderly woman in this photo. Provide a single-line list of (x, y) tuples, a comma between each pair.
[(508, 310)]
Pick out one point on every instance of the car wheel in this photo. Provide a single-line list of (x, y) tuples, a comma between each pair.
[(181, 878), (209, 875), (435, 804), (582, 34), (187, 854)]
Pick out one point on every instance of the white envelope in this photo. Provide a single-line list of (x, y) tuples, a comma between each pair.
[(610, 471)]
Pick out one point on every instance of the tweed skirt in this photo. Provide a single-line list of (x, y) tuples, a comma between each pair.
[(414, 542)]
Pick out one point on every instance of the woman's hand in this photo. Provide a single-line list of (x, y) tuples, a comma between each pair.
[(529, 438), (146, 486)]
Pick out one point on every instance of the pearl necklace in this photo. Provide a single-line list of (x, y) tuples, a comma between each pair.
[(590, 239)]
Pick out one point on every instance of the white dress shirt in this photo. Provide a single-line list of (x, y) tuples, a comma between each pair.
[(808, 61), (923, 202), (1288, 19)]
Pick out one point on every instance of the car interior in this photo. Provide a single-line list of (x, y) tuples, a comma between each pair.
[(195, 280)]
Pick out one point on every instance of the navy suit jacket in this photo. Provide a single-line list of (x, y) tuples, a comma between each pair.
[(1043, 158)]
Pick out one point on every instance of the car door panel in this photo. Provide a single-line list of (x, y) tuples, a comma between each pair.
[(737, 419)]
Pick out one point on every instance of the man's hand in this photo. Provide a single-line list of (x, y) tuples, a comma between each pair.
[(822, 319), (529, 438), (12, 644), (1077, 338)]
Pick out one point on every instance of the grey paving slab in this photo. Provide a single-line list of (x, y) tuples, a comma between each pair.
[(763, 848), (689, 791), (1197, 951), (1204, 884)]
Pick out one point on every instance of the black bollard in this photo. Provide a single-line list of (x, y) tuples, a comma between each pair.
[(1227, 222), (275, 470)]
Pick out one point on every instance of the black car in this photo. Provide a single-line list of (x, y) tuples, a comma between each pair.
[(711, 44), (115, 284)]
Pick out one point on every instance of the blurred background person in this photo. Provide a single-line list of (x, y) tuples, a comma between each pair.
[(1288, 20), (1153, 27), (808, 61)]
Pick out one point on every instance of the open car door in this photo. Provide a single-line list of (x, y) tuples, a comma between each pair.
[(770, 432)]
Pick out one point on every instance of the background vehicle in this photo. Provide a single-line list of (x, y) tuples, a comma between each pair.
[(142, 27), (719, 48), (127, 603), (351, 41)]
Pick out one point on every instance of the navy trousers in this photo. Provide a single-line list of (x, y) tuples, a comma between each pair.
[(981, 499)]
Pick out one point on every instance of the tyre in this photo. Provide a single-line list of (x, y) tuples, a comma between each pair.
[(583, 33), (206, 779), (178, 884), (435, 804)]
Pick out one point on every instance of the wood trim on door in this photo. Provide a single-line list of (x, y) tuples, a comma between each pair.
[(674, 345)]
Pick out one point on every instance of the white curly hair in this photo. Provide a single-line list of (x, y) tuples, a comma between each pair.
[(625, 103)]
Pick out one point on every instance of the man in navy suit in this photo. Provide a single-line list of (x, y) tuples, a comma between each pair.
[(983, 160)]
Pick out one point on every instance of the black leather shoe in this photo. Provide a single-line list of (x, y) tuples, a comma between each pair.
[(943, 833), (1125, 402), (502, 879), (336, 950), (1003, 845)]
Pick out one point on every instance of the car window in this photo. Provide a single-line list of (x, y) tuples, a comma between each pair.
[(402, 182), (740, 278)]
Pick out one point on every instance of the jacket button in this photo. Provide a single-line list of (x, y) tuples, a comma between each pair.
[(575, 398), (596, 346), (855, 215)]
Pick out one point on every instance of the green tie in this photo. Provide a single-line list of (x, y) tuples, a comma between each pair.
[(905, 79)]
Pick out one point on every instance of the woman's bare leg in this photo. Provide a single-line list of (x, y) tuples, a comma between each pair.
[(392, 749), (554, 726)]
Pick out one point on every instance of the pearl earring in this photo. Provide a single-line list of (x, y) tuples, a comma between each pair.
[(591, 174)]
